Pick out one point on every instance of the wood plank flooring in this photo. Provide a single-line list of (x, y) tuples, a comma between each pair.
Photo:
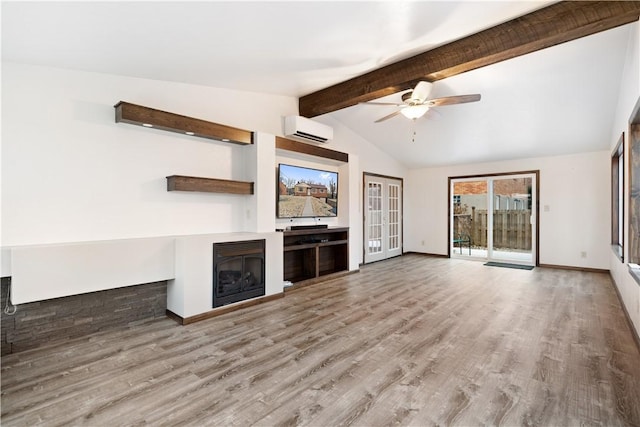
[(412, 341)]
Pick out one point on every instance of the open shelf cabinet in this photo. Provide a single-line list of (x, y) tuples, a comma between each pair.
[(310, 254)]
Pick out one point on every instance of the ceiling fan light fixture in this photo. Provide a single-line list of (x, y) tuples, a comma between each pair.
[(414, 111)]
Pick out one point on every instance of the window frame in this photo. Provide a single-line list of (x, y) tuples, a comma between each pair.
[(617, 198)]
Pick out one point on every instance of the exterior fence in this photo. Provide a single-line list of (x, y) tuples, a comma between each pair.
[(511, 228)]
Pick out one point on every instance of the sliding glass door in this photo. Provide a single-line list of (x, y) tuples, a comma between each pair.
[(494, 218)]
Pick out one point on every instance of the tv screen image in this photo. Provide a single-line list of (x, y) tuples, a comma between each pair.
[(306, 192)]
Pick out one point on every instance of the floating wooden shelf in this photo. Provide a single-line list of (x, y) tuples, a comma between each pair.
[(150, 117), (208, 185)]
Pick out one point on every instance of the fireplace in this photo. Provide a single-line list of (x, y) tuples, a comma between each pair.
[(238, 271)]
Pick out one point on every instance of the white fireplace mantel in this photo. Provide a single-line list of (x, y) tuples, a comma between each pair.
[(191, 292), (41, 272)]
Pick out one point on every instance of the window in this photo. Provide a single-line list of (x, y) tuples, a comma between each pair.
[(617, 199)]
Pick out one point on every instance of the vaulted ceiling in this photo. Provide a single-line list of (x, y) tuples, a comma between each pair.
[(554, 24), (333, 55)]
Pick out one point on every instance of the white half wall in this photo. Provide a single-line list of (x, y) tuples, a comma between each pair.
[(574, 188), (41, 272)]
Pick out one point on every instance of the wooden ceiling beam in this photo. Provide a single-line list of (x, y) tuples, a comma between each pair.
[(558, 23)]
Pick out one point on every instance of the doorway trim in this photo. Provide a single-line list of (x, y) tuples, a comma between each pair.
[(536, 173), (364, 210)]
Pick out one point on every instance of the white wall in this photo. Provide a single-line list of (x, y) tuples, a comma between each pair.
[(72, 176), (70, 173), (259, 159), (79, 190), (372, 159), (629, 94), (575, 188), (369, 159)]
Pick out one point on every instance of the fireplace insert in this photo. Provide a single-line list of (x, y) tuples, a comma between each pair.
[(238, 271)]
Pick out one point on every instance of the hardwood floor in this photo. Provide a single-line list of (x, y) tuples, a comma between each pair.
[(411, 341)]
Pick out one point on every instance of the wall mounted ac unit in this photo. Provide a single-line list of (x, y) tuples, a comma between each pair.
[(307, 130)]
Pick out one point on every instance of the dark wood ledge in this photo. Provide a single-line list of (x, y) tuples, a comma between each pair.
[(312, 150), (208, 185), (158, 119)]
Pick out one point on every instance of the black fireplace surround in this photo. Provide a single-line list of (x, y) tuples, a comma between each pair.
[(238, 271)]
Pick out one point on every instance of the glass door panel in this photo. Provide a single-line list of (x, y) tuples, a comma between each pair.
[(512, 225), (394, 227), (374, 221), (470, 226), (494, 218), (383, 218)]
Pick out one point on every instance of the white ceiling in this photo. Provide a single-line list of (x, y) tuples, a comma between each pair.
[(557, 101)]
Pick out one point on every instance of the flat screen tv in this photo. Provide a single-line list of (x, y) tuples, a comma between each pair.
[(306, 192)]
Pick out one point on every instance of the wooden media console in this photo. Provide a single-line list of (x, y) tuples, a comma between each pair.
[(313, 253)]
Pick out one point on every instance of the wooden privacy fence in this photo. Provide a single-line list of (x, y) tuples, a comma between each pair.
[(511, 228)]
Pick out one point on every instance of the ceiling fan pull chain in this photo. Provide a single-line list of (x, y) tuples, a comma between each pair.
[(413, 125)]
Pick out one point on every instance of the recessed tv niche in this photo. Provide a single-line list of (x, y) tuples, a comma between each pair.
[(306, 192)]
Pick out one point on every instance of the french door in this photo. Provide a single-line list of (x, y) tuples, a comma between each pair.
[(494, 217), (383, 217)]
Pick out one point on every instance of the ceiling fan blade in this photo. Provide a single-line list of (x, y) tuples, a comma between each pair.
[(382, 103), (421, 91), (387, 117), (451, 100)]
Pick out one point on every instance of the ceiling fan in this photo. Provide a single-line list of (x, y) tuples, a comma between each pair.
[(415, 103)]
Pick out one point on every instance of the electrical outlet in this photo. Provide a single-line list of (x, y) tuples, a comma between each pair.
[(583, 254), (423, 243)]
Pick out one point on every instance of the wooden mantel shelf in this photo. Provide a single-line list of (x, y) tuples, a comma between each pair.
[(208, 185), (150, 117), (312, 150)]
